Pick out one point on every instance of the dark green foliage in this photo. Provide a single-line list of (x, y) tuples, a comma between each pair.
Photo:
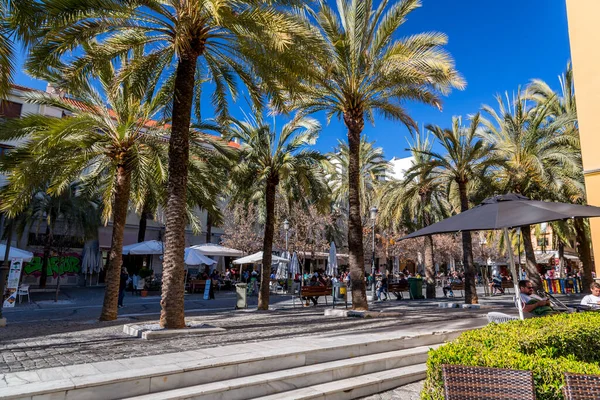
[(548, 346)]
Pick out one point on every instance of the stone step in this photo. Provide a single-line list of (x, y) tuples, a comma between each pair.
[(152, 374), (294, 378), (352, 388)]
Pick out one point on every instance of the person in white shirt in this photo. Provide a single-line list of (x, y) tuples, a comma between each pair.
[(592, 300)]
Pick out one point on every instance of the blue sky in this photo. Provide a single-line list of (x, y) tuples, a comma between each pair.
[(497, 46)]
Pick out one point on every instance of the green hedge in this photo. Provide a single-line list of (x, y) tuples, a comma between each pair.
[(547, 346)]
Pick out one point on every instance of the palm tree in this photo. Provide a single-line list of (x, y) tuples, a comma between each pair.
[(71, 212), (535, 155), (564, 109), (373, 169), (18, 20), (268, 161), (106, 143), (466, 160), (187, 40), (416, 202), (365, 70)]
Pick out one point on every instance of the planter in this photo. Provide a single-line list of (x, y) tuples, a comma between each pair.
[(144, 293)]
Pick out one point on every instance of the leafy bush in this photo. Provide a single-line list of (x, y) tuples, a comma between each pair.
[(547, 346)]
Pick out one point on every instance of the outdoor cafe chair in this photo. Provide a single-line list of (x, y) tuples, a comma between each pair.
[(581, 387), (466, 383), (24, 291)]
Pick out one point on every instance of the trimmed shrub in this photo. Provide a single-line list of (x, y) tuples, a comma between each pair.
[(547, 346)]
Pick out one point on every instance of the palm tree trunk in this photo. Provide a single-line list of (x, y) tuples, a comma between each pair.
[(429, 267), (354, 120), (119, 217), (208, 228), (5, 265), (585, 253), (172, 315), (143, 224), (46, 256), (263, 296), (530, 262), (470, 287)]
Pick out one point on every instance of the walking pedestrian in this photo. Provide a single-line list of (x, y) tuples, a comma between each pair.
[(122, 285)]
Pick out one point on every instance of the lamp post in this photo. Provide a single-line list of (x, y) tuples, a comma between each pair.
[(286, 227), (373, 212)]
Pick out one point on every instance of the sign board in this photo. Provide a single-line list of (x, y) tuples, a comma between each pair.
[(14, 276), (207, 289)]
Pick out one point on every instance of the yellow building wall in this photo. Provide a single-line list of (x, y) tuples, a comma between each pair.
[(584, 35)]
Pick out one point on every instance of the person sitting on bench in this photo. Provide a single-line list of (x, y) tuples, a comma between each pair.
[(313, 282)]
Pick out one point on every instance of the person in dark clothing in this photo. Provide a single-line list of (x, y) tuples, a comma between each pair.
[(122, 285)]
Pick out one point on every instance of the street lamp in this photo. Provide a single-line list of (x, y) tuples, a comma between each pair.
[(286, 227), (373, 212)]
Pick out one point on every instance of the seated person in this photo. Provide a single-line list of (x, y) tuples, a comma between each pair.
[(402, 279), (592, 300), (313, 282), (532, 303), (496, 285), (448, 288)]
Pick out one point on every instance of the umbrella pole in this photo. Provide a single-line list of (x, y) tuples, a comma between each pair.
[(514, 272)]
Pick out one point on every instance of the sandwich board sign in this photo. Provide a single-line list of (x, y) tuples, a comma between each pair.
[(14, 277)]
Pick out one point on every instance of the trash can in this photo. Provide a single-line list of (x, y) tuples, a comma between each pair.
[(241, 295), (342, 291), (415, 288)]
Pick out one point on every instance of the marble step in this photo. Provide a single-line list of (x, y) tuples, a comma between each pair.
[(153, 374), (291, 379), (352, 388)]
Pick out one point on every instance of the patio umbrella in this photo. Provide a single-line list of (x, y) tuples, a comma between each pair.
[(257, 258), (504, 212), (15, 253), (195, 257), (396, 270), (332, 264), (144, 248), (212, 249)]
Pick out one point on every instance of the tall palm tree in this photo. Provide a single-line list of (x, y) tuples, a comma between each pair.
[(269, 160), (366, 70), (373, 169), (105, 143), (18, 20), (466, 160), (416, 202), (564, 110), (535, 154), (72, 212), (187, 39)]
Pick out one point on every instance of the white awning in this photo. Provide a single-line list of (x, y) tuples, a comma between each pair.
[(256, 258)]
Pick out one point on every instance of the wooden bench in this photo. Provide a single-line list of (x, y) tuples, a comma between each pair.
[(458, 286), (397, 288), (197, 284), (315, 291), (506, 285)]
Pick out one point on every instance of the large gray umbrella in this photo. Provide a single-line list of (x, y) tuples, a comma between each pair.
[(504, 212)]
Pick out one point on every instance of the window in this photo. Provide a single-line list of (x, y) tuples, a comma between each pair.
[(542, 242), (10, 109)]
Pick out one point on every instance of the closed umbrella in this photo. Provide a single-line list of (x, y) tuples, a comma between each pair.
[(332, 264), (294, 265), (504, 212), (396, 270), (282, 267)]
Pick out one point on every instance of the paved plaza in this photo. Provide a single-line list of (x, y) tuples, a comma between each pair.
[(45, 334)]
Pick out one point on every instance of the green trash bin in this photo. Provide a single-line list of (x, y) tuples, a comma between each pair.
[(241, 295), (415, 288)]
